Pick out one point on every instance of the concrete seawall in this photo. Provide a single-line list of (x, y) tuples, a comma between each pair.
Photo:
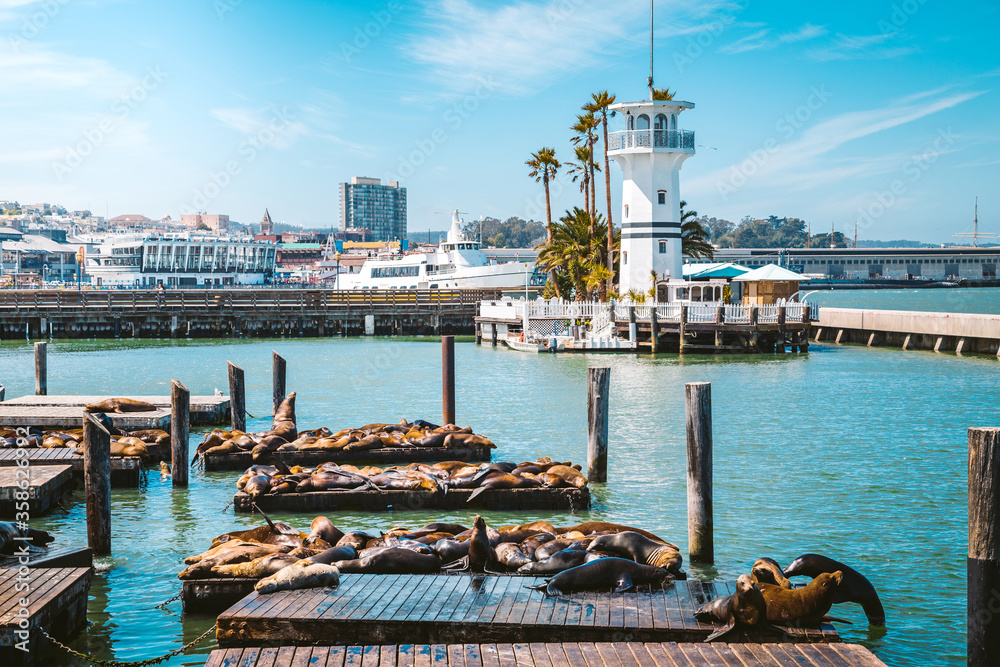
[(942, 332)]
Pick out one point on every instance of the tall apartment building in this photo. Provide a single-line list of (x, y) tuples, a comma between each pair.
[(367, 204)]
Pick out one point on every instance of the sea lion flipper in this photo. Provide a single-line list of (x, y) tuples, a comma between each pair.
[(624, 583), (834, 619), (538, 587), (721, 631), (475, 493), (270, 523)]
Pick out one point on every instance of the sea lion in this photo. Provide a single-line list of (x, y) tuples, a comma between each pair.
[(854, 586), (283, 424), (13, 536), (557, 562), (481, 554), (768, 571), (641, 549), (604, 527), (257, 568), (393, 560), (120, 405), (569, 476), (531, 544), (451, 550), (601, 574), (801, 606), (152, 436), (322, 528), (357, 540), (520, 533), (238, 553), (553, 547), (301, 574), (743, 610), (510, 555), (333, 554)]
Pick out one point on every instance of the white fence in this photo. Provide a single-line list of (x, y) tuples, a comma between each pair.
[(514, 309)]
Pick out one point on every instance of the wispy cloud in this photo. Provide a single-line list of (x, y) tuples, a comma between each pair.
[(853, 47), (806, 32), (34, 69), (523, 46), (762, 39), (258, 122), (751, 42), (805, 164)]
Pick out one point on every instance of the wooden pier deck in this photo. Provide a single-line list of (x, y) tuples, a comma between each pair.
[(55, 417), (242, 460), (57, 604), (427, 609), (46, 485), (205, 410), (126, 471), (569, 654), (572, 499)]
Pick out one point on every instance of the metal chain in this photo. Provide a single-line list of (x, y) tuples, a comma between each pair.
[(120, 663), (164, 604)]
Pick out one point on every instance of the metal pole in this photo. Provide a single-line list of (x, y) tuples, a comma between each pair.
[(598, 388), (448, 378), (698, 418)]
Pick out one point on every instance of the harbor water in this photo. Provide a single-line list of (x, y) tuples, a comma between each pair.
[(856, 453)]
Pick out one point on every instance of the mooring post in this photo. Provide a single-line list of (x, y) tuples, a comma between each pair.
[(598, 388), (237, 398), (984, 547), (631, 325), (448, 378), (681, 327), (277, 380), (3, 393), (97, 484), (180, 425), (654, 328), (479, 334), (493, 336), (698, 416), (41, 369)]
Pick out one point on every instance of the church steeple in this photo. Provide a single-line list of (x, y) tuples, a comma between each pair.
[(266, 226)]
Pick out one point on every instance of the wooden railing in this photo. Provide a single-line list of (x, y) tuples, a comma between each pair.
[(56, 302)]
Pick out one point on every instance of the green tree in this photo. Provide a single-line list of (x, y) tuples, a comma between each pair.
[(582, 170), (600, 105), (544, 166), (584, 128), (694, 237), (576, 257), (663, 94)]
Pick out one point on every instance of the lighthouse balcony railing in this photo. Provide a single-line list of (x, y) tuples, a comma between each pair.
[(671, 139)]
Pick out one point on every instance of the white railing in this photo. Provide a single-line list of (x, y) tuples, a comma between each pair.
[(737, 313), (672, 139), (767, 314), (702, 313), (707, 312)]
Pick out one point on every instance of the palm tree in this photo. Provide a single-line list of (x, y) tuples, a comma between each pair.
[(584, 127), (601, 102), (575, 255), (581, 172), (663, 94), (694, 236), (544, 166)]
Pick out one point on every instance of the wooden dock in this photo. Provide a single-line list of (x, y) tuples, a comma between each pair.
[(55, 417), (205, 410), (211, 596), (57, 604), (46, 485), (53, 557), (569, 654), (430, 608), (572, 499), (242, 460), (126, 471)]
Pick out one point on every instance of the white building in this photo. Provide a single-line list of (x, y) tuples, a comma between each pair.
[(650, 151), (180, 260)]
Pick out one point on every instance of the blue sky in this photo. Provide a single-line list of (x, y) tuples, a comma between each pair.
[(879, 111)]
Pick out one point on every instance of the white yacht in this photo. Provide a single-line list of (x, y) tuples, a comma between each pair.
[(457, 263)]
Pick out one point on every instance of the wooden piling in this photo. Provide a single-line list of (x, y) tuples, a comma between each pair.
[(41, 369), (493, 335), (698, 417), (681, 327), (277, 380), (237, 398), (448, 379), (654, 329), (598, 389), (180, 424), (984, 547), (633, 338), (3, 393), (97, 484)]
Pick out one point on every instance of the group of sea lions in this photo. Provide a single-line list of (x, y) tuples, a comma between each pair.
[(123, 443), (766, 598), (15, 536), (283, 436), (587, 556), (437, 478)]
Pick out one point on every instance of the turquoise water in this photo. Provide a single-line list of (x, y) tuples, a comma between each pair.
[(852, 452), (954, 300)]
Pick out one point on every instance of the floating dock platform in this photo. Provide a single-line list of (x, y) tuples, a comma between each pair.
[(431, 608), (46, 485), (126, 471), (57, 605), (572, 499), (53, 557), (210, 596), (205, 410), (56, 417), (569, 654), (242, 460)]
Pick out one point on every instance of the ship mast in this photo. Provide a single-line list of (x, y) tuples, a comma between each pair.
[(650, 81)]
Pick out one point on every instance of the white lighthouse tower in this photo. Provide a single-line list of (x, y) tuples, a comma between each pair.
[(650, 151)]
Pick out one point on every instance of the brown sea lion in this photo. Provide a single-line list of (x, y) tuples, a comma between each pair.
[(767, 570), (357, 540), (854, 586), (257, 568), (152, 436), (619, 573), (239, 553), (322, 528), (524, 531), (481, 554), (393, 560), (531, 544), (569, 476), (743, 610), (283, 424), (605, 527), (641, 549), (553, 547), (510, 555), (120, 405), (801, 606)]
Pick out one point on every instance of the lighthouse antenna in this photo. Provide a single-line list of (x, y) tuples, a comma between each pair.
[(650, 82)]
